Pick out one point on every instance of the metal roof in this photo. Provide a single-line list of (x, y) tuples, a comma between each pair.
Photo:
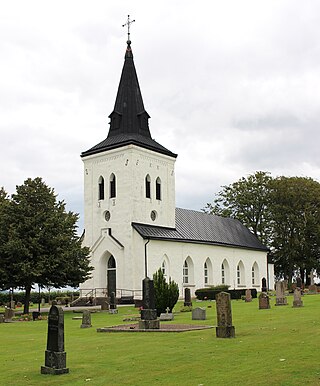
[(129, 119), (199, 227)]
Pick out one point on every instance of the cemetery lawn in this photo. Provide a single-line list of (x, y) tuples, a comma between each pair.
[(279, 346)]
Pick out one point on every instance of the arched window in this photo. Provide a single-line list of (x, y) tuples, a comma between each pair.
[(112, 186), (205, 269), (101, 188), (255, 274), (158, 189), (148, 186), (223, 274), (240, 273), (185, 277), (164, 268)]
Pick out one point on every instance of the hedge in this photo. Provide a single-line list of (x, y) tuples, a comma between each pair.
[(5, 297), (210, 293)]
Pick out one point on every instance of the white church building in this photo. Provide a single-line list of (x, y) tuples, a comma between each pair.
[(132, 226)]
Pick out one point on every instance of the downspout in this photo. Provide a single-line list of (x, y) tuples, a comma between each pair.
[(145, 258)]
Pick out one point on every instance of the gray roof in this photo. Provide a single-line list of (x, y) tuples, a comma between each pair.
[(198, 227)]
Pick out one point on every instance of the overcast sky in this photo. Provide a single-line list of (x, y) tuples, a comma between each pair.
[(231, 86)]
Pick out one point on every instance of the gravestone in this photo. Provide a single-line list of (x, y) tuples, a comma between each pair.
[(313, 288), (12, 304), (299, 282), (281, 300), (113, 304), (148, 313), (264, 285), (264, 303), (297, 302), (199, 313), (86, 319), (187, 298), (105, 305), (248, 297), (225, 329), (1, 318), (8, 315), (166, 316), (55, 356), (43, 302)]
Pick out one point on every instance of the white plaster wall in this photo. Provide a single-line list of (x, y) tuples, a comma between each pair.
[(175, 254), (130, 165)]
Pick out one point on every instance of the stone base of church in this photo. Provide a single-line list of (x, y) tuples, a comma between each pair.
[(225, 332)]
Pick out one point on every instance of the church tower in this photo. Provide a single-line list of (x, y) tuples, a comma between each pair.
[(128, 178)]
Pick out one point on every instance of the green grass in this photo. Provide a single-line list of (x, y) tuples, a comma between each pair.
[(279, 346)]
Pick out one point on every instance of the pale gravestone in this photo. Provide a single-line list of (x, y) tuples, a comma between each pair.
[(187, 298), (225, 329), (248, 297), (86, 319), (8, 315), (149, 319), (166, 316), (264, 303), (105, 305), (113, 304), (199, 313), (55, 356), (297, 302), (281, 300)]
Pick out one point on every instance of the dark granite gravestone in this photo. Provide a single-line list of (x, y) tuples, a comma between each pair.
[(264, 285), (187, 298), (55, 356), (264, 303), (113, 304), (248, 297), (148, 313), (281, 300), (297, 302), (299, 282), (199, 313), (225, 329), (86, 319)]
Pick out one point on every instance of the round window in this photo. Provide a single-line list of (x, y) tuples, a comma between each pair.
[(153, 215), (107, 215)]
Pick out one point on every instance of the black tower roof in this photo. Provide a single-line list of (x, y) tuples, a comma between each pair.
[(129, 119)]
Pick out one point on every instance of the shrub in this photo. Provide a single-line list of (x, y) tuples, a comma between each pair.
[(210, 293), (166, 294)]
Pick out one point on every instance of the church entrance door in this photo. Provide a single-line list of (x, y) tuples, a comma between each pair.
[(111, 276)]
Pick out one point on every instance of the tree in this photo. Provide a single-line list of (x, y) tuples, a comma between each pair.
[(40, 244), (246, 200), (295, 213), (166, 294), (283, 212)]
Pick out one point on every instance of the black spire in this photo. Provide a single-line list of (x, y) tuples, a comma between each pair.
[(129, 119), (129, 115)]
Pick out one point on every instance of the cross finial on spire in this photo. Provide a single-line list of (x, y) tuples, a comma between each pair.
[(128, 23)]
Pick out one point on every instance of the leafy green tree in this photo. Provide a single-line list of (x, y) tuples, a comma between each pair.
[(246, 200), (283, 212), (166, 294), (40, 244), (295, 213)]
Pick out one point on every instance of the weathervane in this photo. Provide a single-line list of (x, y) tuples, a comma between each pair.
[(128, 23)]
